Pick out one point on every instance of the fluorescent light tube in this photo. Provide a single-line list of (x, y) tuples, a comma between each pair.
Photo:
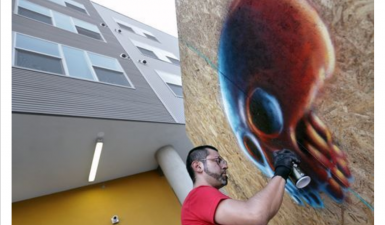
[(95, 161)]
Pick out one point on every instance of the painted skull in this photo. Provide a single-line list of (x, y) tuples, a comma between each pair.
[(273, 58)]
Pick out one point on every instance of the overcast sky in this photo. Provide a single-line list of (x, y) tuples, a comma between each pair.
[(159, 14)]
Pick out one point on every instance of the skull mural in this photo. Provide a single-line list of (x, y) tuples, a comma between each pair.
[(273, 58)]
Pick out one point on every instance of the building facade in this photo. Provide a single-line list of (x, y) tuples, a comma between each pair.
[(81, 72), (156, 55)]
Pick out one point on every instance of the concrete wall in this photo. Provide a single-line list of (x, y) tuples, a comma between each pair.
[(265, 75)]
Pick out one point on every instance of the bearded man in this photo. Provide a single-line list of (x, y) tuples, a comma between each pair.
[(206, 205)]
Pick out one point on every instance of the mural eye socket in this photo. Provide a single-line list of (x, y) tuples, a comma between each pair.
[(253, 150), (264, 113)]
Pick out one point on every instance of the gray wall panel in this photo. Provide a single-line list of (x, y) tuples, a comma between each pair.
[(34, 92)]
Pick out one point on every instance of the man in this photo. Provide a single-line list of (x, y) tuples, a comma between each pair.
[(205, 204)]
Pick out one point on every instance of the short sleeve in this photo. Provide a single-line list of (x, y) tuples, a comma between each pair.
[(204, 203)]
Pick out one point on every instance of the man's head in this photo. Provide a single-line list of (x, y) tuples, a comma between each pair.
[(204, 162)]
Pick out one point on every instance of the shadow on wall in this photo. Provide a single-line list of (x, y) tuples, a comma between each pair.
[(271, 66)]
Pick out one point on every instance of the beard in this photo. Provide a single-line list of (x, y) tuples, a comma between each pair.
[(221, 177)]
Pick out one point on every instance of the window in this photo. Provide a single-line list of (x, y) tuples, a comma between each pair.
[(35, 16), (110, 76), (174, 82), (38, 61), (147, 52), (151, 37), (34, 11), (126, 27), (87, 29), (108, 69), (88, 33), (42, 55), (72, 5), (174, 61), (177, 89), (38, 55), (39, 13), (135, 30), (77, 64), (156, 53), (64, 22), (69, 5)]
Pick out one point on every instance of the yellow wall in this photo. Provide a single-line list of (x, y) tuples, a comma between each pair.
[(142, 199)]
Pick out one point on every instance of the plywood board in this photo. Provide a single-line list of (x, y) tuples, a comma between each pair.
[(342, 98)]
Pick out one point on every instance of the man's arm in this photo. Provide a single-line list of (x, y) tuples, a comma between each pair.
[(259, 209)]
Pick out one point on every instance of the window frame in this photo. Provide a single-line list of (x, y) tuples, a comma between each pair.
[(169, 58), (166, 83), (124, 27), (161, 54), (108, 69), (89, 65), (64, 5), (74, 7), (40, 53), (50, 17), (137, 47), (64, 63), (79, 30), (157, 57), (172, 91), (153, 37), (16, 12), (144, 32)]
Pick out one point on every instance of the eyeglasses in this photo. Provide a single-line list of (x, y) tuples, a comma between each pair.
[(219, 160)]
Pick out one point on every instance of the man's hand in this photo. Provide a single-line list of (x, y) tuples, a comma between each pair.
[(283, 162), (260, 208)]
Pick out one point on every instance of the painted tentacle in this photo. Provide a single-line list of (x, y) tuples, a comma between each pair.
[(315, 140)]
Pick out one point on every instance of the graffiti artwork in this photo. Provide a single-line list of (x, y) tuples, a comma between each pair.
[(274, 57)]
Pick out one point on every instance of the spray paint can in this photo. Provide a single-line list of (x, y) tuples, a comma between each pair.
[(298, 177)]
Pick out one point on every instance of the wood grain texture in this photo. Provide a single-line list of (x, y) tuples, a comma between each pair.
[(345, 104)]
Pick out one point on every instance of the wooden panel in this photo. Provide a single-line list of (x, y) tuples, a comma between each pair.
[(345, 103)]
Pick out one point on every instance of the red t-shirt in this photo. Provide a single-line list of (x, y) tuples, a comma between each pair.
[(200, 205)]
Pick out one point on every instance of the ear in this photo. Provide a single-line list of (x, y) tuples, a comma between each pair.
[(197, 166)]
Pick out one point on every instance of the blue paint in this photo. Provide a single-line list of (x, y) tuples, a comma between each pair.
[(362, 200), (200, 54)]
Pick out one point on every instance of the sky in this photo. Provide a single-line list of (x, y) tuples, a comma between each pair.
[(159, 14)]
